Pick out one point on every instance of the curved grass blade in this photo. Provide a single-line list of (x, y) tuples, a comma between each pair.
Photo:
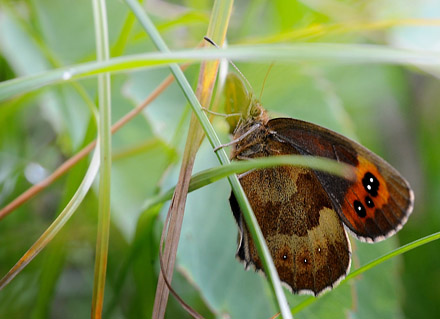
[(212, 175), (300, 52), (58, 223), (241, 197), (223, 158), (217, 28)]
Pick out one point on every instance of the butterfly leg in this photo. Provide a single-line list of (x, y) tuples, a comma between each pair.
[(220, 114), (237, 140), (244, 158)]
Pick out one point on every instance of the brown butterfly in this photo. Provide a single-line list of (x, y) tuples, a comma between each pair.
[(304, 214)]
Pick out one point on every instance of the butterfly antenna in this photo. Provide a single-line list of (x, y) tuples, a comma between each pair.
[(232, 63), (265, 78), (210, 41)]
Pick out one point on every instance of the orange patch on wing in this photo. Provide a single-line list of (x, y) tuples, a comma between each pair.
[(357, 192)]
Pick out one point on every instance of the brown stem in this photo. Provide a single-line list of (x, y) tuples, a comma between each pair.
[(207, 76)]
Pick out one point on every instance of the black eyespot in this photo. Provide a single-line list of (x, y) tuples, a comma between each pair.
[(284, 257), (359, 208), (371, 184), (369, 202)]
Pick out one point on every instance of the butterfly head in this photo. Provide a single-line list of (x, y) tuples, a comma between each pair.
[(240, 104)]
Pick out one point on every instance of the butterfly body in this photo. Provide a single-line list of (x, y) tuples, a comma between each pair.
[(304, 214)]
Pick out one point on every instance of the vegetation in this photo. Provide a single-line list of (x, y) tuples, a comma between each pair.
[(367, 69)]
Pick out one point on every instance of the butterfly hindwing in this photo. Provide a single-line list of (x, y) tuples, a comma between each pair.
[(305, 235)]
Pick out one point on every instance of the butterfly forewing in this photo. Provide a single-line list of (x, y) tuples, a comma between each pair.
[(373, 207)]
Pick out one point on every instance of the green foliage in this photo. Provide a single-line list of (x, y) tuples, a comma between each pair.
[(385, 96)]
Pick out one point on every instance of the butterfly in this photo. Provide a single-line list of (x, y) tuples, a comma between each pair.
[(305, 214)]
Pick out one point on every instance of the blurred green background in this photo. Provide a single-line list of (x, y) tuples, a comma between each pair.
[(391, 109)]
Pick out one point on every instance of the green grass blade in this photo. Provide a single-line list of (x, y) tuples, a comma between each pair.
[(58, 223), (301, 52), (212, 175), (223, 158), (180, 78), (122, 41), (104, 134)]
